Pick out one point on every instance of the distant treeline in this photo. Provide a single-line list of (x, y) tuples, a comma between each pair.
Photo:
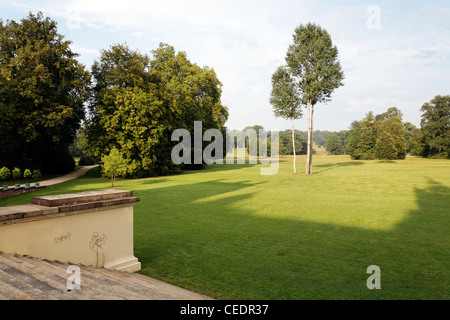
[(383, 136), (301, 142), (285, 141), (386, 136)]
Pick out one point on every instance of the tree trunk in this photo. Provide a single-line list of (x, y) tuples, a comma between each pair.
[(308, 150), (311, 139), (293, 143), (112, 179)]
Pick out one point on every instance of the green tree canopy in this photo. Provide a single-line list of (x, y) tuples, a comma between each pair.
[(138, 101), (435, 127), (381, 136), (42, 91), (334, 144), (313, 60), (411, 132), (114, 165), (391, 141), (301, 142), (286, 100), (353, 136)]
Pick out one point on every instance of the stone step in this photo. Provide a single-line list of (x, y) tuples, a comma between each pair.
[(24, 277)]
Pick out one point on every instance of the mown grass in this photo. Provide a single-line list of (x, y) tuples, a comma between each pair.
[(231, 233)]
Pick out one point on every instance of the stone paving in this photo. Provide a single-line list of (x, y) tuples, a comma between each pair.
[(28, 278)]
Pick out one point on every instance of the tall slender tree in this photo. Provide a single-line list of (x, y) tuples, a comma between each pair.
[(286, 100), (313, 60)]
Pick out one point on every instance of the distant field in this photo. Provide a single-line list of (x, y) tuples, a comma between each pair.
[(229, 232)]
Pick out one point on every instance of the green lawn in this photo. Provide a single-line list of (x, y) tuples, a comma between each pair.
[(229, 232)]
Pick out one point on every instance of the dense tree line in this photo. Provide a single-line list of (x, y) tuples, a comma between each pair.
[(319, 136), (385, 136), (285, 145), (132, 102), (42, 91), (336, 142), (378, 137), (433, 138), (138, 101), (129, 101)]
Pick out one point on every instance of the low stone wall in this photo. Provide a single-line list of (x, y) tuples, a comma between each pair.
[(91, 228), (13, 190)]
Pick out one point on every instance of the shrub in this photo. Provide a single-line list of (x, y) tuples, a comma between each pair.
[(27, 174), (17, 173), (5, 173), (36, 174)]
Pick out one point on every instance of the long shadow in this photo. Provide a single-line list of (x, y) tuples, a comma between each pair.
[(203, 236), (330, 166), (211, 237), (85, 183)]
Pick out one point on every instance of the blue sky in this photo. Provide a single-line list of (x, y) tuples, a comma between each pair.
[(393, 53)]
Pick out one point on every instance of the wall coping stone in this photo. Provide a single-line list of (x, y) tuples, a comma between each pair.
[(70, 202)]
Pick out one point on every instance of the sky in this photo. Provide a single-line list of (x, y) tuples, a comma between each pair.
[(392, 53)]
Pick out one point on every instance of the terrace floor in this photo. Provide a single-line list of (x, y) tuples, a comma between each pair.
[(28, 278)]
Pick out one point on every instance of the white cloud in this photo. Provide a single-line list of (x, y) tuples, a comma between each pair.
[(404, 63)]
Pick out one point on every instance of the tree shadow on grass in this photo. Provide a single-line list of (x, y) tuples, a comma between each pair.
[(330, 166), (203, 236), (154, 180)]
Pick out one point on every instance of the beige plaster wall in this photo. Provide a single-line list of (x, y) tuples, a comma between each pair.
[(101, 237)]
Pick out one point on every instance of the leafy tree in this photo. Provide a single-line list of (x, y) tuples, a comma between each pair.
[(42, 91), (5, 173), (27, 174), (138, 101), (36, 174), (313, 60), (301, 143), (16, 173), (114, 165), (391, 112), (286, 101), (418, 146), (334, 144), (411, 132), (381, 136), (385, 147), (390, 142), (367, 138), (362, 138), (344, 134), (118, 72), (191, 93), (435, 127), (320, 136), (353, 137)]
